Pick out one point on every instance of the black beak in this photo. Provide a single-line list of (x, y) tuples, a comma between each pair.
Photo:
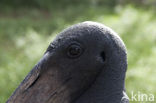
[(27, 92), (50, 82)]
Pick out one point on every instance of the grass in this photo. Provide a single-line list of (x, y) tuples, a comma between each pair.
[(25, 35)]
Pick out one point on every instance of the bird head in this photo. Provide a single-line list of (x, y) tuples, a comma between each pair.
[(71, 64)]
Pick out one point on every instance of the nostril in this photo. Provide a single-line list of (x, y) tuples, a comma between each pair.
[(103, 56)]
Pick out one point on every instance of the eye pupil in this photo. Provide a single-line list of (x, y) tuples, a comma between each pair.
[(74, 50)]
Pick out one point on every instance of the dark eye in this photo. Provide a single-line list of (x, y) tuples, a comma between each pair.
[(74, 50)]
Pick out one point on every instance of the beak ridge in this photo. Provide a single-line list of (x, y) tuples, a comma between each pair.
[(29, 80)]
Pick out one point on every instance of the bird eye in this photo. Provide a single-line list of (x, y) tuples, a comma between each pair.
[(74, 50)]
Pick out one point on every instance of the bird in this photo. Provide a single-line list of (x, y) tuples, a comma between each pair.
[(85, 63)]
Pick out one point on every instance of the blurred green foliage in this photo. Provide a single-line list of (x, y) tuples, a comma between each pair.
[(27, 27), (48, 4)]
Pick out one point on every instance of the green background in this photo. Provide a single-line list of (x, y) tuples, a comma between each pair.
[(28, 26)]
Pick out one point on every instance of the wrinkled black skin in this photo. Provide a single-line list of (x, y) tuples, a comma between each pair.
[(91, 77), (109, 84)]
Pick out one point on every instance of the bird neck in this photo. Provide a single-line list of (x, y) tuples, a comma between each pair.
[(109, 85)]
